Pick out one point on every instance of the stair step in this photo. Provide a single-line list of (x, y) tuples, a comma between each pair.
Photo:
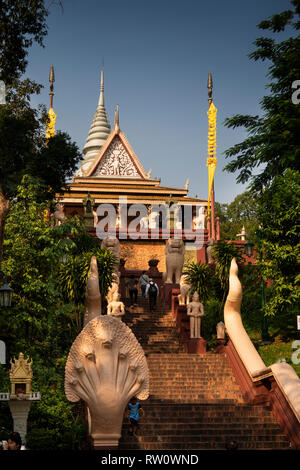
[(195, 401)]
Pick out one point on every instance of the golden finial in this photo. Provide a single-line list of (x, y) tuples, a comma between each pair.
[(117, 125), (51, 80), (210, 87), (211, 160), (50, 128)]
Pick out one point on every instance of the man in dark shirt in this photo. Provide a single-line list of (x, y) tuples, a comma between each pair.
[(152, 291), (133, 290)]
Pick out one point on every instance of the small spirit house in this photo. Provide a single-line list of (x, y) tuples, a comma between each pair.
[(20, 377)]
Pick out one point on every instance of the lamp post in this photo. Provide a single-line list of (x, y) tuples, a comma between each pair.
[(5, 292), (248, 249)]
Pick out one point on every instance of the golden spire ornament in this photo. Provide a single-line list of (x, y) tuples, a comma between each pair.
[(50, 130), (117, 123), (211, 161)]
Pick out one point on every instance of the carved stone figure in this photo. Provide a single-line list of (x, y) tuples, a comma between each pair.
[(95, 218), (195, 311), (185, 288), (59, 214), (220, 330), (174, 260), (92, 293), (113, 245), (106, 366), (177, 217), (144, 222), (116, 307), (114, 287), (199, 219), (210, 245), (154, 219)]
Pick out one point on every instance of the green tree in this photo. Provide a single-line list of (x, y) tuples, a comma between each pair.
[(269, 160), (223, 253), (23, 149), (242, 211), (280, 215), (22, 22), (73, 277), (46, 314), (273, 142), (198, 276)]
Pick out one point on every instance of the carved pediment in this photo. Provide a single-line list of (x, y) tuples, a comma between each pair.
[(116, 162)]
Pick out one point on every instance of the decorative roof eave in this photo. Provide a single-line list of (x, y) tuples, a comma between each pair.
[(118, 188), (82, 180), (76, 199), (129, 149)]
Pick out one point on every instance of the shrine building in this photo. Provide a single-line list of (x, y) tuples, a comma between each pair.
[(111, 175)]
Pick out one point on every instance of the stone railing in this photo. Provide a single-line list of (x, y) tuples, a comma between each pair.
[(34, 396), (278, 385), (4, 396)]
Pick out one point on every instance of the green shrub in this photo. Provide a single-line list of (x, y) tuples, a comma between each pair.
[(209, 321)]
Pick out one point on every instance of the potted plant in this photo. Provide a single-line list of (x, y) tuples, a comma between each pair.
[(153, 262)]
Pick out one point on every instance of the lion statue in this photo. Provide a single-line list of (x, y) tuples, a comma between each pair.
[(174, 260), (185, 289)]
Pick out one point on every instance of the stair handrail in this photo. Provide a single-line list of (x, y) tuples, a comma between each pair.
[(285, 376), (236, 331)]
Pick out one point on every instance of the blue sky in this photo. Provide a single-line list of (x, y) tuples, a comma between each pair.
[(157, 57)]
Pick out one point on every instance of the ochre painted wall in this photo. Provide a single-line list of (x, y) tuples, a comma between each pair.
[(139, 252)]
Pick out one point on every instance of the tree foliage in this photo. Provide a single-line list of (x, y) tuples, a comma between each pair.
[(269, 160), (43, 319), (273, 142), (280, 215), (240, 212), (199, 277), (224, 252), (22, 22), (23, 151)]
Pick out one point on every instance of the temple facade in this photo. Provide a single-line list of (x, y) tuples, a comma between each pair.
[(117, 197)]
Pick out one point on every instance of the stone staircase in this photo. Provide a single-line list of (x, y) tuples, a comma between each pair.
[(195, 402)]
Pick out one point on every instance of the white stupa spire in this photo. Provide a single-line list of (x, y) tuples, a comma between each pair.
[(99, 131)]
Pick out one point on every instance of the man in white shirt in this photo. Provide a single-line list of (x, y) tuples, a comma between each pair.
[(144, 281)]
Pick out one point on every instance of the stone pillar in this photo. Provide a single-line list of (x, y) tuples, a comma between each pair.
[(196, 346), (19, 410), (218, 228), (208, 227)]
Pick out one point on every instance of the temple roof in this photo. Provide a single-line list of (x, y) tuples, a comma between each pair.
[(111, 169)]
